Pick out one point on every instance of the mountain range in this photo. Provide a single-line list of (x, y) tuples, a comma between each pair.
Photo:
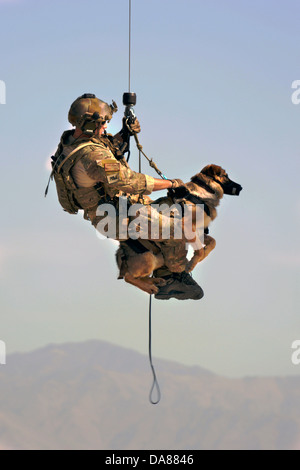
[(94, 395)]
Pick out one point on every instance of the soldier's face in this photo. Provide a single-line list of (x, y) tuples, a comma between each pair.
[(102, 128)]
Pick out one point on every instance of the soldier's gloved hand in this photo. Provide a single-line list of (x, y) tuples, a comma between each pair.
[(135, 127), (179, 190), (176, 183)]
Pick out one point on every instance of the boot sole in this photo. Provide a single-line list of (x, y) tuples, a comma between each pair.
[(179, 296)]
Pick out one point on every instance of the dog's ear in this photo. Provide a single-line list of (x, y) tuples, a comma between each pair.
[(212, 170), (199, 178)]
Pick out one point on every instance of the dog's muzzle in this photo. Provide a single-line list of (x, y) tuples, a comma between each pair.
[(232, 188)]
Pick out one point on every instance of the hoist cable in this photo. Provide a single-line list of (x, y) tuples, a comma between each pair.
[(155, 384), (129, 46)]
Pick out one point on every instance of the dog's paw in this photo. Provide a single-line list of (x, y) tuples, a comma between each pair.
[(159, 281), (152, 290)]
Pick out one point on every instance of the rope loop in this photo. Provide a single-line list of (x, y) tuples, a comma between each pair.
[(155, 384)]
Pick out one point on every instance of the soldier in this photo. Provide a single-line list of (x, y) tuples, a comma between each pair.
[(89, 169)]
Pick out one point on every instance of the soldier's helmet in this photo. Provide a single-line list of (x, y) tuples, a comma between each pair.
[(88, 106)]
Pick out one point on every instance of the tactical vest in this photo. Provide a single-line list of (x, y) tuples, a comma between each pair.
[(71, 197)]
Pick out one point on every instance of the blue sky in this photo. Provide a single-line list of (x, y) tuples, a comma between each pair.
[(213, 81)]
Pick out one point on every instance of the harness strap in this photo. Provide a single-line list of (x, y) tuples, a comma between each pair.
[(64, 161), (204, 185), (150, 246), (198, 200), (75, 151)]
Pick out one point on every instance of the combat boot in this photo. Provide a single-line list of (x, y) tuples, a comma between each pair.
[(179, 286)]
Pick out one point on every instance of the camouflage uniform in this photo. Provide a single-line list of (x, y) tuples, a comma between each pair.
[(100, 178)]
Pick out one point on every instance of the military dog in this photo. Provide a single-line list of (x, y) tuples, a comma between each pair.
[(137, 260)]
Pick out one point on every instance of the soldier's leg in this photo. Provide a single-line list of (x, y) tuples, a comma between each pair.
[(163, 227), (178, 283)]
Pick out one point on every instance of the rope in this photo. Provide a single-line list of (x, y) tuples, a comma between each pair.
[(150, 160), (129, 64), (140, 148), (140, 161), (155, 382), (141, 151)]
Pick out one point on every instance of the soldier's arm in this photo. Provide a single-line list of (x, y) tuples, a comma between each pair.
[(124, 133), (118, 177), (162, 184)]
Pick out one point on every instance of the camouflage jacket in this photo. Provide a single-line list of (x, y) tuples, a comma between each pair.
[(93, 172)]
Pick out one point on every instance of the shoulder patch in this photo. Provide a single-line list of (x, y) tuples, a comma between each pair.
[(109, 164), (113, 178), (112, 166)]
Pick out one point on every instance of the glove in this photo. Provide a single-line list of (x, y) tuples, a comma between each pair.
[(135, 127), (176, 183), (178, 191)]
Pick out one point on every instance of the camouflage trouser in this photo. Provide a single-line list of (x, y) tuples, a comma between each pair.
[(145, 222), (174, 253)]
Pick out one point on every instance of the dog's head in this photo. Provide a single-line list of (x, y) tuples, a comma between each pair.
[(215, 174)]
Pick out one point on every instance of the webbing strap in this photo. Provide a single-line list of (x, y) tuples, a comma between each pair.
[(86, 144), (76, 150)]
